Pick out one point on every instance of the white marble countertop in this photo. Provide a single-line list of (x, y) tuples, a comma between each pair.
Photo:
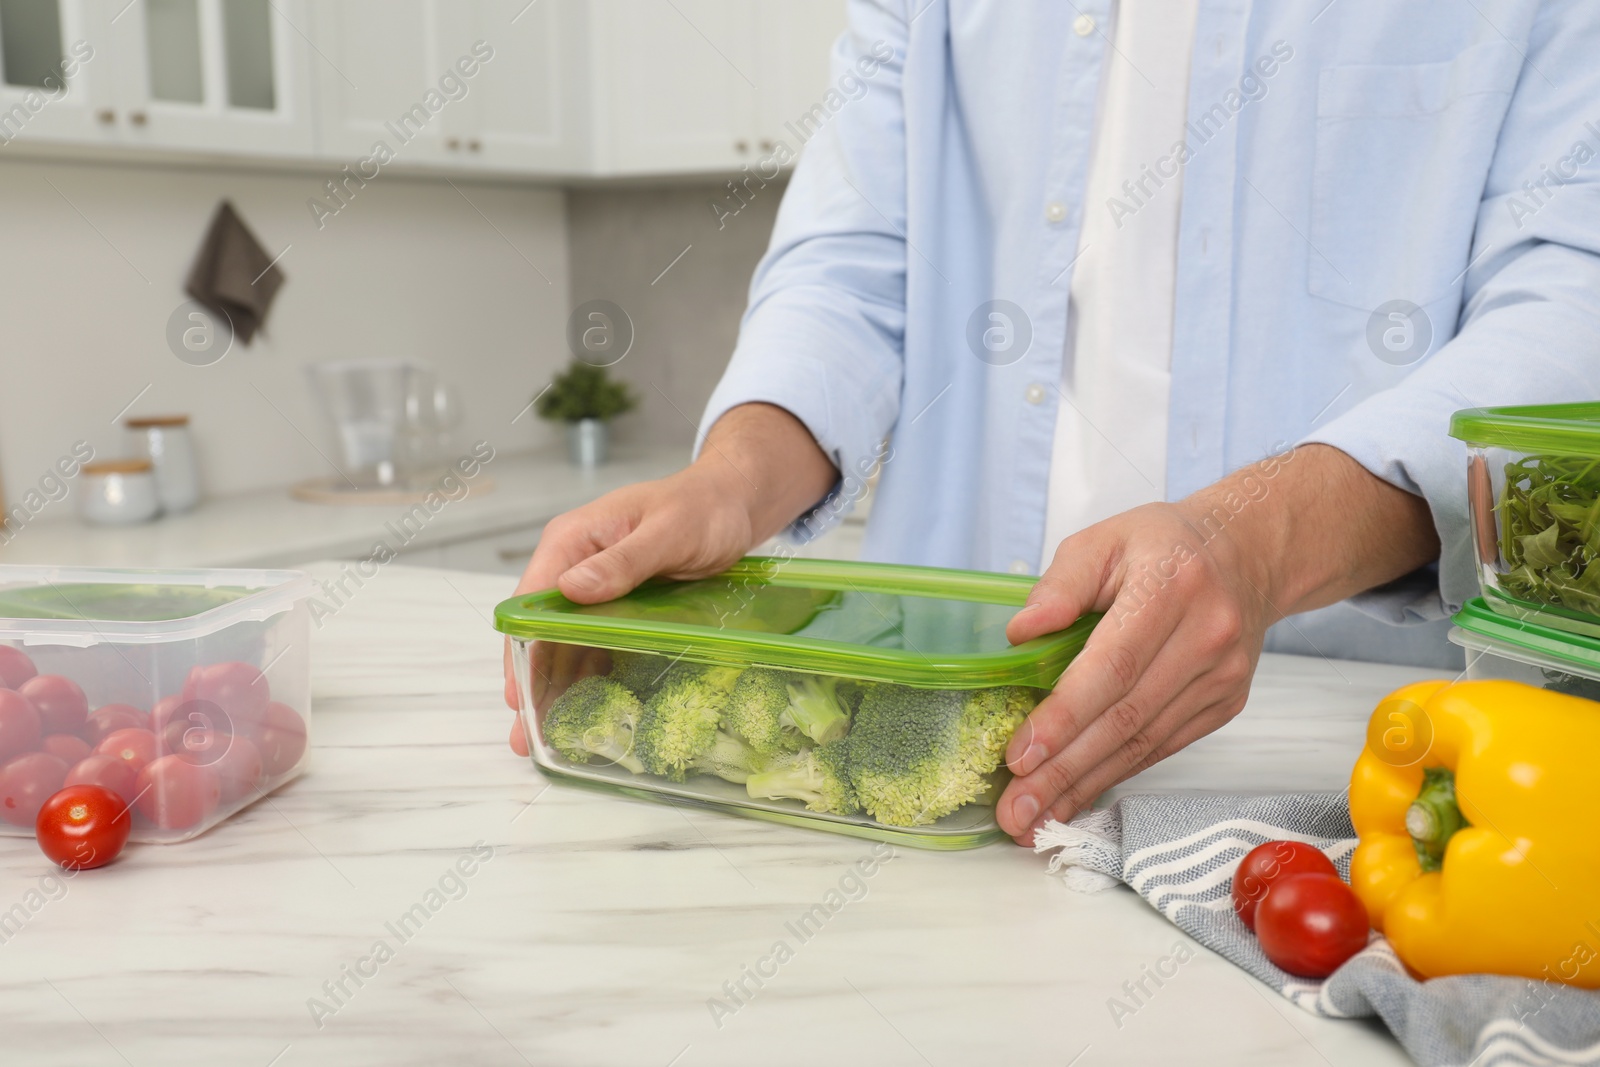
[(601, 926), (268, 528)]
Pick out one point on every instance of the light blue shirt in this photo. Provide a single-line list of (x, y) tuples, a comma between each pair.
[(1340, 157)]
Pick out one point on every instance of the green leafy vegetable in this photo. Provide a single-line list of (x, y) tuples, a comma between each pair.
[(1550, 531)]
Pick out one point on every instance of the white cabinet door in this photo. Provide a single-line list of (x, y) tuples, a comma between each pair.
[(378, 62), (795, 40), (674, 85), (55, 73), (213, 76), (524, 112)]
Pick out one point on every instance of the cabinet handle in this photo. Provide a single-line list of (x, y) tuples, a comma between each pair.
[(475, 145), (105, 116), (453, 143), (741, 146), (512, 555), (138, 118)]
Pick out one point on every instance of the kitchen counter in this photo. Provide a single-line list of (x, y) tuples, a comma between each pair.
[(596, 930), (269, 528)]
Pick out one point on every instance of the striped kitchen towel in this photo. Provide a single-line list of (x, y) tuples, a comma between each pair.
[(1180, 852)]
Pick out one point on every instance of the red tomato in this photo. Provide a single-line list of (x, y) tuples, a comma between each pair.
[(83, 826), (176, 794), (70, 748), (19, 724), (281, 737), (133, 746), (239, 766), (25, 783), (1267, 863), (111, 718), (15, 667), (62, 707), (238, 689), (1309, 924), (107, 772), (188, 725)]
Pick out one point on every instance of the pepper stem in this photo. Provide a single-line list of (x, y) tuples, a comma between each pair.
[(1434, 817)]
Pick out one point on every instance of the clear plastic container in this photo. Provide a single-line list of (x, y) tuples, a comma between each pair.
[(866, 699), (190, 691), (1517, 650), (1533, 494)]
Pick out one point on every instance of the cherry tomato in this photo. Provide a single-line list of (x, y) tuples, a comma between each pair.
[(113, 717), (238, 689), (281, 737), (107, 772), (176, 794), (133, 746), (83, 826), (239, 765), (25, 783), (19, 724), (1267, 863), (70, 748), (1309, 924), (15, 667), (62, 707), (181, 727)]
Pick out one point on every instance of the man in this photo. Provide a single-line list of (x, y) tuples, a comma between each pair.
[(1074, 262)]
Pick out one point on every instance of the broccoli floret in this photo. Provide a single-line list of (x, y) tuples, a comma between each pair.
[(639, 671), (850, 691), (774, 712), (679, 721), (814, 710), (818, 776), (754, 710), (595, 717), (916, 755), (728, 758)]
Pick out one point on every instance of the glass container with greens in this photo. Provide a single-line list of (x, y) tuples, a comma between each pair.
[(1533, 493)]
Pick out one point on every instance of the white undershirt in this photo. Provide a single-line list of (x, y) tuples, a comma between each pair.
[(1110, 451)]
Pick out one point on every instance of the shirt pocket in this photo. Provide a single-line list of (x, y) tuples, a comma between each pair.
[(1402, 155)]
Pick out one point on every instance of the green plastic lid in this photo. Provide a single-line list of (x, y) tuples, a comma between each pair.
[(1568, 429), (111, 602), (921, 626), (1476, 617)]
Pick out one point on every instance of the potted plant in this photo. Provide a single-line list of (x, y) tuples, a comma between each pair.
[(586, 398)]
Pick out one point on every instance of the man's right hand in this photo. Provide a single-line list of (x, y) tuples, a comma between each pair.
[(759, 469)]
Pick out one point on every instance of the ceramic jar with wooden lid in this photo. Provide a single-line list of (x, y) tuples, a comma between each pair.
[(164, 440)]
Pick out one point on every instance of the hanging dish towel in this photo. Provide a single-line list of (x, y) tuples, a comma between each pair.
[(1180, 852), (233, 275)]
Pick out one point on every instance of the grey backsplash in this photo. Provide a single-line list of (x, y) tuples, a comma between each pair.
[(621, 239)]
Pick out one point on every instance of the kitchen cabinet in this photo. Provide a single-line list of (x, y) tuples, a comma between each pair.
[(55, 77), (704, 85), (413, 75), (224, 77)]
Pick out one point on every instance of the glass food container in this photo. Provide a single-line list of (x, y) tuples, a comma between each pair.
[(867, 699), (1533, 494), (1519, 650), (188, 692)]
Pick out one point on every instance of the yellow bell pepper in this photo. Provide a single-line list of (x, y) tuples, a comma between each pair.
[(1478, 811)]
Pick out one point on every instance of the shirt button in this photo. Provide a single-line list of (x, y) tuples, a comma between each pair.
[(1055, 211), (1035, 393), (1083, 25), (1020, 566)]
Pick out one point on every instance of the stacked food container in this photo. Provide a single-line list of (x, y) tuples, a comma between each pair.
[(867, 699), (185, 693), (1533, 495)]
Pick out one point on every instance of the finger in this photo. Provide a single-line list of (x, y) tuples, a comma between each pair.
[(1181, 681), (513, 698), (569, 539), (1206, 721), (519, 737), (656, 547), (1077, 581), (1112, 662)]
